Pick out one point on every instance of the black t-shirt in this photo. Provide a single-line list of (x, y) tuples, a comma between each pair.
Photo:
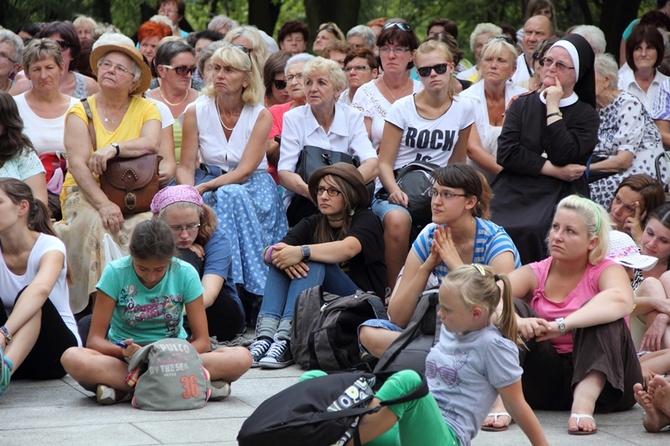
[(367, 269)]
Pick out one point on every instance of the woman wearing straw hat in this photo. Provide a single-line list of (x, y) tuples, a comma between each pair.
[(340, 248), (125, 125)]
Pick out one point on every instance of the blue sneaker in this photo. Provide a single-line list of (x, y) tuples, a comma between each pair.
[(5, 372)]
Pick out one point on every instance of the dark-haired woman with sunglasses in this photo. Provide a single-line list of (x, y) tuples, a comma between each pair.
[(274, 79), (397, 43), (175, 65), (431, 126), (71, 83)]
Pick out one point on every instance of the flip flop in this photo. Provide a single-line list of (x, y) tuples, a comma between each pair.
[(495, 416), (579, 416)]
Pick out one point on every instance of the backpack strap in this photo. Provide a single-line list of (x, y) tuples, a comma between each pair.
[(91, 128)]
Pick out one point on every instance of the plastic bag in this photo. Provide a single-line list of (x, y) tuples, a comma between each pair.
[(112, 250)]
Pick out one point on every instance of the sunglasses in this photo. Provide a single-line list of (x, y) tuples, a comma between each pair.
[(440, 68), (181, 70), (400, 25), (244, 49), (279, 84), (500, 39), (63, 45)]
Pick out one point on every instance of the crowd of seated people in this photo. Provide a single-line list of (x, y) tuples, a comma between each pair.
[(533, 153)]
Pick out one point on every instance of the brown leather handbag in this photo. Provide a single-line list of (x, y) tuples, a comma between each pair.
[(130, 183)]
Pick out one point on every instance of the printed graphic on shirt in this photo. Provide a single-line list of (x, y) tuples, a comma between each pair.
[(436, 139), (160, 309), (448, 375)]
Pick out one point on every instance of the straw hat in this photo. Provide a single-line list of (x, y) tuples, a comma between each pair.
[(116, 42)]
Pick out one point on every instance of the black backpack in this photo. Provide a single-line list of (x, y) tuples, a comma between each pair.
[(410, 349), (318, 411), (325, 328)]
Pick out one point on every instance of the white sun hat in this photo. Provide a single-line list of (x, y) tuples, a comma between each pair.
[(624, 251)]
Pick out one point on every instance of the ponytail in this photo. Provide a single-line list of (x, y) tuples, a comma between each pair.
[(506, 323), (39, 218)]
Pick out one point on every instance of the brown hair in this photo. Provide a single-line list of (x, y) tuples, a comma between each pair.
[(648, 187), (652, 37), (473, 183), (350, 202)]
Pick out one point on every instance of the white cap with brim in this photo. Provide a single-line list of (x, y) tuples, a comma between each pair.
[(625, 252)]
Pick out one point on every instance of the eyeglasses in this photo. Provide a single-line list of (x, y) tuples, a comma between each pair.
[(188, 228), (279, 84), (560, 66), (5, 56), (63, 45), (440, 68), (331, 191), (182, 70), (445, 195), (395, 50), (357, 69), (500, 39), (400, 25), (108, 66), (290, 77)]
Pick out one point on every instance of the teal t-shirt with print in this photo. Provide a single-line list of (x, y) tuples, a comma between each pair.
[(148, 315)]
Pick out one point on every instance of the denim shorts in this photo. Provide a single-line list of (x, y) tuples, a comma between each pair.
[(382, 207), (381, 323)]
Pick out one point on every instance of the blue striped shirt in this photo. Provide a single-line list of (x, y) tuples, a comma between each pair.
[(491, 240)]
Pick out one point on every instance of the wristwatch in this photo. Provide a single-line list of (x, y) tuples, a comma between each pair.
[(117, 146), (306, 252), (561, 325)]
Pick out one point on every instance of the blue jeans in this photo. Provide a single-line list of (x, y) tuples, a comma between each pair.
[(281, 292)]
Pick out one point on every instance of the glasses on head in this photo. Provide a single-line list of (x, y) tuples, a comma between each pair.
[(63, 45), (500, 39), (182, 70), (400, 25), (328, 28), (290, 77), (279, 84), (560, 66), (188, 228), (244, 49), (108, 66), (444, 194), (357, 68), (395, 50), (440, 68), (331, 191)]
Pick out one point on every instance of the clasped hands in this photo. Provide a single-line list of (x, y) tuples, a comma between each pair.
[(538, 328), (289, 259)]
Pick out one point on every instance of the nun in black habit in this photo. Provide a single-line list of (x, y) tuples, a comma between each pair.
[(546, 141)]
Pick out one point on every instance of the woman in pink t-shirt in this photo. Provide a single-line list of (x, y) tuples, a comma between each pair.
[(579, 355)]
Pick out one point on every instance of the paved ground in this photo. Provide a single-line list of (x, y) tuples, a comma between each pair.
[(62, 413)]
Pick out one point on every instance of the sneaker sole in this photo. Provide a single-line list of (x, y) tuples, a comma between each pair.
[(276, 365), (105, 400), (219, 393)]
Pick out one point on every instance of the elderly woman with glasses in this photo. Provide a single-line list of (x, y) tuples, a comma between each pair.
[(546, 141), (628, 140), (327, 33), (491, 97), (228, 129), (322, 123), (71, 83), (11, 55), (175, 65), (397, 43), (125, 125)]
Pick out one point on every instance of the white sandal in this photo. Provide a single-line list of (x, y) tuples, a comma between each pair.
[(578, 417), (495, 416)]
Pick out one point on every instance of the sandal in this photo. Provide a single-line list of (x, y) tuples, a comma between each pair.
[(495, 416), (578, 417)]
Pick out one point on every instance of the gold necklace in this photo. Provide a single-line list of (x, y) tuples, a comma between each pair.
[(389, 90), (218, 113), (107, 118), (160, 92)]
